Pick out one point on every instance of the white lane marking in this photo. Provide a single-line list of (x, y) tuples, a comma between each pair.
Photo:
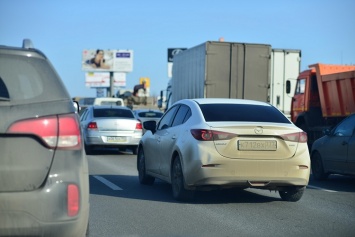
[(107, 183), (327, 190)]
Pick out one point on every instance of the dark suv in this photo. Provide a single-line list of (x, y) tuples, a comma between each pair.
[(44, 182)]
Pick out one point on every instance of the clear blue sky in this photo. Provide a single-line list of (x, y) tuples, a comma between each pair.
[(323, 29)]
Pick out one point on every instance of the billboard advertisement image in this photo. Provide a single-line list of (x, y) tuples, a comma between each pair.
[(107, 60)]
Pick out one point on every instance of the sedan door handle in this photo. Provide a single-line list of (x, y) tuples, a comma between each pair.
[(173, 137), (344, 143)]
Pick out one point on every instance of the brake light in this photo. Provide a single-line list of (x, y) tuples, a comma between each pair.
[(211, 135), (295, 137), (73, 202), (92, 125), (139, 126), (61, 132)]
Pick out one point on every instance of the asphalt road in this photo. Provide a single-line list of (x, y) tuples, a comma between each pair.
[(120, 206)]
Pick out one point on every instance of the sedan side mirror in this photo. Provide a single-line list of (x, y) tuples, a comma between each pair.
[(150, 125)]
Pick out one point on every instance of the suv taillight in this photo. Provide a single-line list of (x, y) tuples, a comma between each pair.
[(61, 132)]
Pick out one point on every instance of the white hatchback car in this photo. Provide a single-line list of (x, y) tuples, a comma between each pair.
[(205, 144)]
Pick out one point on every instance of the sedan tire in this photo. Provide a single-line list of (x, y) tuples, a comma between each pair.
[(317, 167), (134, 150), (178, 181), (88, 149), (292, 194), (143, 177)]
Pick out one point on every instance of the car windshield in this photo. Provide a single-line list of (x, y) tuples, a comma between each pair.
[(150, 114), (122, 113), (242, 112)]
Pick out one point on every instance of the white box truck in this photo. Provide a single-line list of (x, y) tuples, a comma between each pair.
[(233, 70)]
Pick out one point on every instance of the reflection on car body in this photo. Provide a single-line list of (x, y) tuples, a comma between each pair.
[(44, 182), (334, 153), (204, 144), (110, 126)]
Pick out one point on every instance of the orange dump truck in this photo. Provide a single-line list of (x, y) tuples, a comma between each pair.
[(324, 95)]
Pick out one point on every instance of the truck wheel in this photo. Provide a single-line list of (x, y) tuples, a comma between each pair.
[(143, 177), (292, 194), (317, 167), (178, 181)]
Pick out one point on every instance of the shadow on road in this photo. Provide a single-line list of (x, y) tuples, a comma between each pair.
[(339, 183), (161, 191)]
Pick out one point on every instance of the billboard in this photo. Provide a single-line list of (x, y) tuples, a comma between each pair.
[(99, 60), (102, 79)]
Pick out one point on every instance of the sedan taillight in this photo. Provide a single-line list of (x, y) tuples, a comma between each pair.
[(62, 132), (139, 126), (92, 126), (211, 135), (295, 137)]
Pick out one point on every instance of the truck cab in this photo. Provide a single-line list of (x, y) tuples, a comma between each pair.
[(324, 95)]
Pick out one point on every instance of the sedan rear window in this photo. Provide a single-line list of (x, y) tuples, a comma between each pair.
[(242, 112), (150, 115), (122, 113)]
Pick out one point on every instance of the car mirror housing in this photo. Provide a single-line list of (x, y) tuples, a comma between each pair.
[(150, 125)]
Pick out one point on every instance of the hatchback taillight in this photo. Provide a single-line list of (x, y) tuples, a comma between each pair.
[(61, 132)]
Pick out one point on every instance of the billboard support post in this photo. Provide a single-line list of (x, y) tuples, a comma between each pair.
[(110, 91)]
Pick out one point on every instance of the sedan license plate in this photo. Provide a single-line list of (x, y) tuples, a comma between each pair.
[(254, 145), (116, 139)]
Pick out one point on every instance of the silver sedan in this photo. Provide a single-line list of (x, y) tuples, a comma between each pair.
[(110, 126), (205, 144)]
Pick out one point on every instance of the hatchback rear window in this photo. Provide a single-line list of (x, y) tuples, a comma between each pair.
[(242, 112), (122, 113)]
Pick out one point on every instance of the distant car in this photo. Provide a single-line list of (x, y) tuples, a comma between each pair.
[(110, 126), (108, 101), (334, 153), (204, 144), (147, 115), (44, 177)]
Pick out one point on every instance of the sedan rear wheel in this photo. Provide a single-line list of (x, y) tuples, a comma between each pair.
[(143, 177), (292, 194), (178, 181), (134, 150), (317, 167), (88, 149)]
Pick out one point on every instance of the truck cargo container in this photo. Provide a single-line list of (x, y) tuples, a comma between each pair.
[(324, 95), (234, 70)]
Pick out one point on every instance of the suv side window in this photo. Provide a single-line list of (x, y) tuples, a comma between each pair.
[(4, 93), (166, 120)]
